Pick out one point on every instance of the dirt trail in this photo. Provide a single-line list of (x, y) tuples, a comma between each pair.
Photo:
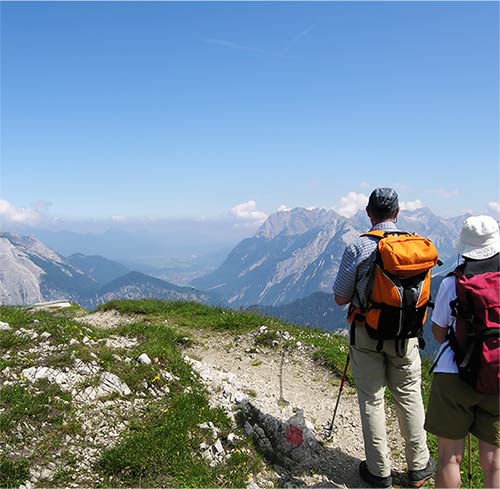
[(306, 385)]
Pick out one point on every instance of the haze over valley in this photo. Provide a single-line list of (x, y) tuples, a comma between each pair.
[(285, 269)]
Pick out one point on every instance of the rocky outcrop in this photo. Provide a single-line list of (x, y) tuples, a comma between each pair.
[(101, 404), (290, 444)]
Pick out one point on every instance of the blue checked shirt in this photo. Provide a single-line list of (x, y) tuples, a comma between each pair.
[(352, 279)]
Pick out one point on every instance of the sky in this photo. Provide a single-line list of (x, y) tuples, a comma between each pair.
[(115, 112)]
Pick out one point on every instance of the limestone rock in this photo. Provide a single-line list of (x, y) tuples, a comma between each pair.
[(143, 358), (5, 326)]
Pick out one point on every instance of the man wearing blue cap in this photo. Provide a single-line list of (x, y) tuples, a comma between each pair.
[(374, 368)]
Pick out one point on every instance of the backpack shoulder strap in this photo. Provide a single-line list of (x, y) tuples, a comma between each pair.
[(476, 267), (376, 233), (380, 233)]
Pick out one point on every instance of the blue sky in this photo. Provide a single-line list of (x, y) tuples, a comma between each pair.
[(215, 110)]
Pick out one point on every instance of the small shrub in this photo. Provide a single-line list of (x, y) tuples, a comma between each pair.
[(11, 341), (13, 472), (267, 339)]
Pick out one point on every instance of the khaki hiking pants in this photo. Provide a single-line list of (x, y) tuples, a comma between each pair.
[(374, 370)]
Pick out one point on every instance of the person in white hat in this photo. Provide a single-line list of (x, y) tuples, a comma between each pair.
[(455, 407)]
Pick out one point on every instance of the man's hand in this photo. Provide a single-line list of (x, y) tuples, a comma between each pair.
[(341, 301)]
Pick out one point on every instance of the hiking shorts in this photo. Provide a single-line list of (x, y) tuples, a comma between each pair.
[(456, 408)]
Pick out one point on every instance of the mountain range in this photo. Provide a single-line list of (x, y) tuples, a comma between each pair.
[(30, 272), (297, 253), (286, 269)]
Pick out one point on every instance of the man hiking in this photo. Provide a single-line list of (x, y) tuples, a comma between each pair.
[(377, 363)]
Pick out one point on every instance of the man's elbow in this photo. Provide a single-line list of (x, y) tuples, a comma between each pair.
[(341, 301)]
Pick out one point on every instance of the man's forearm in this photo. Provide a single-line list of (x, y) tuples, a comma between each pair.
[(341, 301)]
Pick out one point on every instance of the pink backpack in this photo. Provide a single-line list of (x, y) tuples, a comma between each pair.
[(476, 342)]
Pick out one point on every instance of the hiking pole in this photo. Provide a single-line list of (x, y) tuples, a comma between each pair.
[(331, 427), (469, 450)]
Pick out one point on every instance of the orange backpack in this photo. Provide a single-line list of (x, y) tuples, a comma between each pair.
[(399, 287)]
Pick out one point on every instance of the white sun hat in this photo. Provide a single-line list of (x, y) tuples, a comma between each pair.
[(479, 238)]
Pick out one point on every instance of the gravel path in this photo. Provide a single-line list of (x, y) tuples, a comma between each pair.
[(306, 385), (277, 382)]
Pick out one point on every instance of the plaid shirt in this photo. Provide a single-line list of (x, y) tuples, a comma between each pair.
[(355, 265)]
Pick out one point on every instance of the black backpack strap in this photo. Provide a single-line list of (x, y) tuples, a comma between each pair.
[(352, 334), (431, 370), (475, 267), (454, 307), (452, 342)]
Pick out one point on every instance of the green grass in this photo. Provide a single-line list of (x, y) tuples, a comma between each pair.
[(162, 449), (159, 447), (192, 314), (62, 328), (45, 405), (13, 471), (332, 349), (16, 317)]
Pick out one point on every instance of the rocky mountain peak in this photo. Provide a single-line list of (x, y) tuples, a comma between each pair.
[(31, 245), (297, 253), (295, 221)]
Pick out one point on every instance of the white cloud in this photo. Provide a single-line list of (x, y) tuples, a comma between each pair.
[(119, 218), (411, 205), (494, 207), (9, 213), (351, 203), (283, 208), (247, 211)]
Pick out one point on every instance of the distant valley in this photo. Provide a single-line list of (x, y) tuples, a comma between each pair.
[(30, 273), (286, 269)]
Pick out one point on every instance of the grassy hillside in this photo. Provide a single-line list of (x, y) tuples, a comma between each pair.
[(153, 441)]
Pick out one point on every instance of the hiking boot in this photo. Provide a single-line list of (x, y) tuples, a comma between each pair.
[(373, 480), (416, 478)]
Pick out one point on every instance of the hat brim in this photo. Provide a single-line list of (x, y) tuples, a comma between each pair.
[(477, 253)]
